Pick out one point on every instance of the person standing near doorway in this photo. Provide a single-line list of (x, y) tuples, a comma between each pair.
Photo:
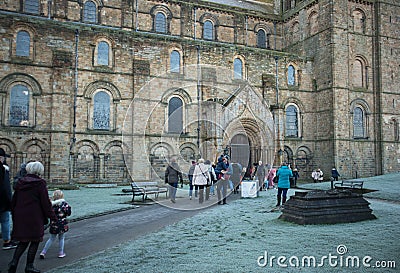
[(260, 172)]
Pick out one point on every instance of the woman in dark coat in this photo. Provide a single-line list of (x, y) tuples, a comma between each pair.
[(30, 208)]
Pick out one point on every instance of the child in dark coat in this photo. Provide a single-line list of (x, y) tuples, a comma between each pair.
[(62, 209)]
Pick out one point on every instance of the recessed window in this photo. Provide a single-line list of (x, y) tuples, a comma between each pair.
[(291, 75), (90, 12), (292, 122), (160, 23), (261, 38), (103, 53), (175, 61), (19, 106), (208, 30), (23, 44), (101, 111), (358, 123), (31, 6), (238, 69), (175, 115)]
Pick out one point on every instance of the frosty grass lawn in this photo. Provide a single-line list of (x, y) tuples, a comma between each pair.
[(239, 236)]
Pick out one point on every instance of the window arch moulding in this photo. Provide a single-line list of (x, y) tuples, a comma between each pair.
[(161, 18), (263, 35), (360, 112), (23, 42), (92, 108), (208, 18), (20, 93)]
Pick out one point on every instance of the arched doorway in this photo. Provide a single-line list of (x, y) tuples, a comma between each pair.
[(240, 150)]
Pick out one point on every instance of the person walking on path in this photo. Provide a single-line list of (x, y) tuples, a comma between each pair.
[(201, 177), (223, 181), (62, 210), (190, 177), (31, 208), (173, 176), (213, 177), (284, 174), (260, 172), (5, 202)]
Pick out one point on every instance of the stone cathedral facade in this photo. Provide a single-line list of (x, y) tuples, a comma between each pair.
[(105, 91)]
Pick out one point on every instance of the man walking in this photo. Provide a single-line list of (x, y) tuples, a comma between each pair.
[(173, 175)]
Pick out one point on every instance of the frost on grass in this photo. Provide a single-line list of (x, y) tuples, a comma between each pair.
[(231, 238)]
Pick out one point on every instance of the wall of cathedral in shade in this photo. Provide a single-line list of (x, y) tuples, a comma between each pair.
[(108, 92)]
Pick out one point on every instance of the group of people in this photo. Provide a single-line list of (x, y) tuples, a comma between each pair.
[(205, 178), (30, 209)]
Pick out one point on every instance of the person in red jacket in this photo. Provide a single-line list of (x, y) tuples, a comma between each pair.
[(30, 210)]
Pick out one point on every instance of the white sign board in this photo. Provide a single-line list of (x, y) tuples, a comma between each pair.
[(249, 189)]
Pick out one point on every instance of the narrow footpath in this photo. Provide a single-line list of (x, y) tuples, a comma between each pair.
[(90, 236)]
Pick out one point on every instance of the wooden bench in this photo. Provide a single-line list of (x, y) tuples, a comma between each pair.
[(146, 188), (349, 184)]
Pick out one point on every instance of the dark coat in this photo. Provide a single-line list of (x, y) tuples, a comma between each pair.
[(62, 209), (5, 189), (30, 208), (173, 174)]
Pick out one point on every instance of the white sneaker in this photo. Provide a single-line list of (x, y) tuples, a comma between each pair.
[(61, 255)]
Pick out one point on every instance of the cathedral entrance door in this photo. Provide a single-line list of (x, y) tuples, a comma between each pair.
[(240, 150)]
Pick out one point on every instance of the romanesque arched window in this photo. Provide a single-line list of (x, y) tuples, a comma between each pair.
[(360, 73), (292, 121), (19, 106), (261, 38), (175, 115), (31, 6), (208, 30), (175, 61), (90, 12), (237, 69), (358, 17), (23, 44), (160, 24), (313, 23), (358, 122), (291, 75), (103, 53), (101, 111)]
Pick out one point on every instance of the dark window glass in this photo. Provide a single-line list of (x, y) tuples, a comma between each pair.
[(238, 68), (89, 12), (208, 30), (23, 44), (261, 38), (103, 53), (175, 61), (291, 75), (358, 123), (101, 111), (161, 23), (175, 115), (31, 6), (19, 106), (292, 128)]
